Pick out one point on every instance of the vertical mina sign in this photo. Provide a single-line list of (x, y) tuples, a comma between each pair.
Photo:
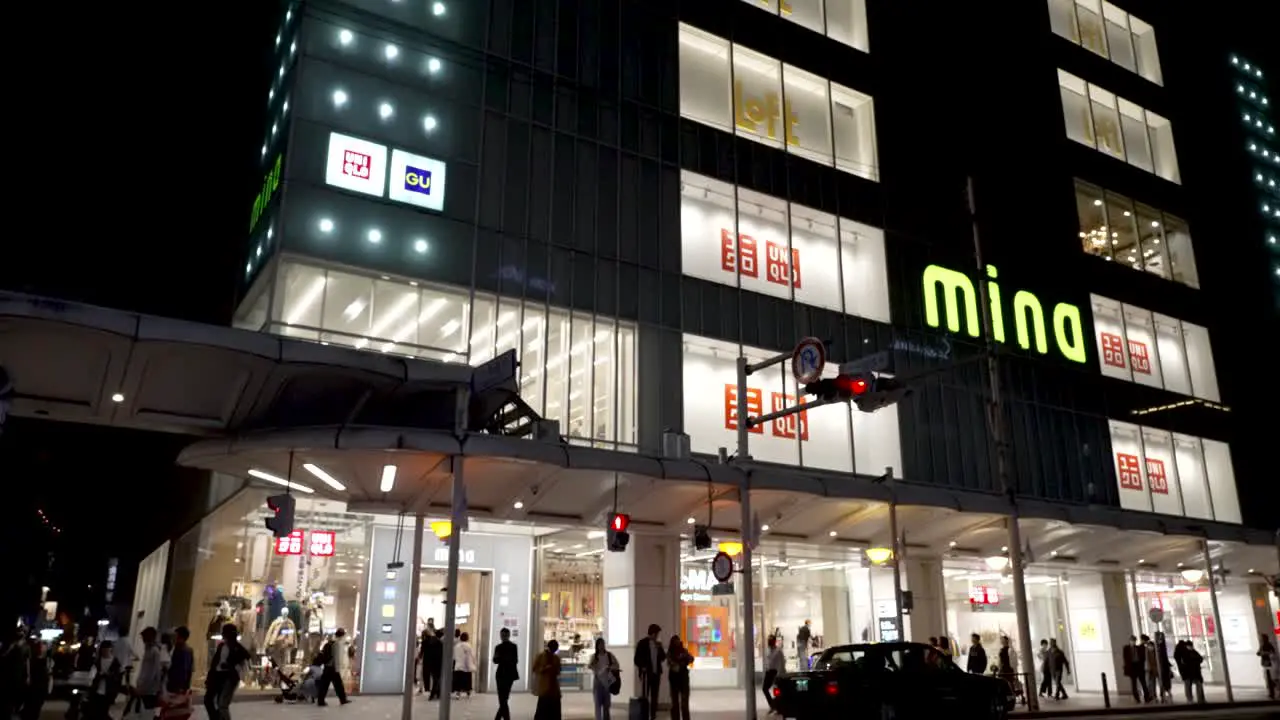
[(269, 185)]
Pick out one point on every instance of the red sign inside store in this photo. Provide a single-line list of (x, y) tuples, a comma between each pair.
[(323, 543), (1112, 350), (983, 595), (290, 544), (1130, 475)]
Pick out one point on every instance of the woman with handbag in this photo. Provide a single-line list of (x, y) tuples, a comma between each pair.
[(678, 662), (607, 678)]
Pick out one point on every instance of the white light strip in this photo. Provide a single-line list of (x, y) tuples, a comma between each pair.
[(308, 299), (324, 477), (279, 481), (388, 478)]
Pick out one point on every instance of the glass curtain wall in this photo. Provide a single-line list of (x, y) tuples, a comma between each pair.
[(1113, 227), (842, 20), (1109, 124), (578, 369), (1110, 32)]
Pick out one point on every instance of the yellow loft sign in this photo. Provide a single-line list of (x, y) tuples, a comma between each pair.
[(960, 302), (750, 112)]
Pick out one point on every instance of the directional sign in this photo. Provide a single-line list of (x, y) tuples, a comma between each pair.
[(876, 362), (497, 372), (808, 360)]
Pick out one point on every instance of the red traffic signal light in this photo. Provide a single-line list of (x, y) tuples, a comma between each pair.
[(852, 384), (620, 522)]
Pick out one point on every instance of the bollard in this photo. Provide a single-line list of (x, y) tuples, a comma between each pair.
[(1106, 696)]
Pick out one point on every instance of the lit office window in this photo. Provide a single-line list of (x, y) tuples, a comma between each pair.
[(1135, 235), (1110, 32), (753, 95), (842, 20), (1153, 349), (1117, 127)]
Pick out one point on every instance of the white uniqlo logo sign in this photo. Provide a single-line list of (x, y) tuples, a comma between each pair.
[(356, 164)]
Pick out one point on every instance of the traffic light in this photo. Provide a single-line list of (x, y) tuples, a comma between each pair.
[(282, 523), (618, 537), (866, 390)]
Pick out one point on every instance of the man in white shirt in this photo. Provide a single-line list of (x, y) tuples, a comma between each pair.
[(147, 680), (775, 663)]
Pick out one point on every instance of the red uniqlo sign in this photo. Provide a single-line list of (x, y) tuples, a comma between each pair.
[(356, 164), (983, 595), (1156, 477), (755, 405), (322, 543), (744, 253), (791, 426), (1130, 475), (779, 269), (1139, 357), (290, 544), (1113, 350)]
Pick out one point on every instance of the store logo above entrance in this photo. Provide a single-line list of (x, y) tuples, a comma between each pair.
[(465, 557), (1029, 321)]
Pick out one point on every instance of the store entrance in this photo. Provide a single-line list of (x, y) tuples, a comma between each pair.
[(475, 598)]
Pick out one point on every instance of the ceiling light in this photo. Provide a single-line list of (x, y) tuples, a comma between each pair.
[(764, 528), (433, 65), (323, 476), (441, 528), (832, 533), (731, 548), (391, 51), (345, 37), (429, 123), (326, 225), (1004, 548), (117, 397), (518, 505), (689, 521), (1193, 575), (437, 8), (279, 481), (385, 110), (420, 246), (375, 236), (339, 98), (997, 562), (388, 478), (1097, 203), (878, 555)]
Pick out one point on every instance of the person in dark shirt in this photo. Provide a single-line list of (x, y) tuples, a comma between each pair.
[(432, 663), (506, 658), (182, 663), (977, 662)]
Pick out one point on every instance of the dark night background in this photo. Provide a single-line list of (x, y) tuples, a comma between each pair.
[(153, 118)]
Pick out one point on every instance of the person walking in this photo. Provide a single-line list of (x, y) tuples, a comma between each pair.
[(678, 662), (977, 659), (605, 677), (175, 703), (1189, 660), (230, 660), (15, 673), (804, 636), (546, 682), (332, 659), (1007, 666), (38, 689), (649, 660), (149, 680), (1135, 659), (1164, 671), (464, 664), (1046, 677), (1151, 666), (432, 662), (107, 680), (775, 663), (1270, 661), (1058, 664), (506, 660)]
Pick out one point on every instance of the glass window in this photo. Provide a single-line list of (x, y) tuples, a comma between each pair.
[(1162, 471), (1134, 128), (348, 308), (1204, 379), (1148, 58), (1182, 261), (704, 78), (1222, 481), (1095, 238), (855, 132), (1108, 323), (1062, 19), (847, 22), (758, 111), (1151, 242), (299, 301), (1140, 344), (807, 97), (816, 259), (1119, 43), (805, 12), (1106, 121), (1166, 158), (1173, 357), (1189, 457), (1092, 35), (1075, 108), (1123, 228), (1131, 476), (862, 271)]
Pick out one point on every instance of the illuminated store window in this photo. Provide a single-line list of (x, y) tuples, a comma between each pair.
[(575, 368), (1117, 127), (1135, 235), (1173, 474), (843, 20), (781, 249), (1152, 349), (1110, 32), (731, 87), (831, 438)]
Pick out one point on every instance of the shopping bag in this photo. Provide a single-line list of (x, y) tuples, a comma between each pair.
[(175, 706)]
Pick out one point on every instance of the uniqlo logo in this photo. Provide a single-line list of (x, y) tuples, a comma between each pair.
[(1156, 477), (1130, 475), (357, 164), (755, 405), (781, 271), (1113, 350), (744, 251), (322, 542), (791, 426), (1139, 358), (290, 544)]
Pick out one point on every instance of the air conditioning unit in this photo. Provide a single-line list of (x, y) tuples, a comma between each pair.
[(546, 431)]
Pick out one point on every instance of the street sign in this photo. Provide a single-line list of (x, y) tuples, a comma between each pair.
[(807, 361), (497, 372), (1156, 614), (722, 567), (875, 362)]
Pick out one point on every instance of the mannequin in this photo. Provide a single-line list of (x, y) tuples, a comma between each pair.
[(281, 638)]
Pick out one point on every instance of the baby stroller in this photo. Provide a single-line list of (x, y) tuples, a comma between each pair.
[(297, 690)]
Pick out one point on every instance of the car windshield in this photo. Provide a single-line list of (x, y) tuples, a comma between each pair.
[(910, 659)]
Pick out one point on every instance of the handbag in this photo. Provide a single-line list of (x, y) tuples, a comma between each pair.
[(615, 685), (175, 706)]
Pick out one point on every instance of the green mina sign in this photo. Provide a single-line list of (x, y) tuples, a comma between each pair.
[(269, 185), (960, 303)]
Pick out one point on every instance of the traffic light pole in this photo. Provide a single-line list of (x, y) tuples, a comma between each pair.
[(451, 589), (415, 588), (997, 432)]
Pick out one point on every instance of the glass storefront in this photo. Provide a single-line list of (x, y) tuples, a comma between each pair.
[(981, 601), (1186, 613), (569, 599)]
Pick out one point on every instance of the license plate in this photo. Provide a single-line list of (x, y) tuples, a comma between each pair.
[(802, 684)]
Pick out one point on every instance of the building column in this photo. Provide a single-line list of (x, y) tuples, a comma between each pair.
[(928, 617), (1101, 623), (643, 583)]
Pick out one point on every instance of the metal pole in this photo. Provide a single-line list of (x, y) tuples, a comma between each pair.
[(748, 591), (451, 592), (996, 420), (743, 430), (1137, 601), (415, 586), (895, 546), (1217, 619)]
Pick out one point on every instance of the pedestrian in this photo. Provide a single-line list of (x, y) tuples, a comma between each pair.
[(546, 682), (1151, 664), (15, 673), (150, 678), (506, 658), (1270, 660), (175, 703), (1189, 660), (227, 668), (432, 662), (678, 662), (804, 636), (332, 660), (1164, 670), (1046, 676), (1135, 660), (1007, 666), (775, 663), (1058, 664), (606, 679), (649, 660), (107, 681), (464, 664), (428, 646), (977, 659), (38, 687)]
